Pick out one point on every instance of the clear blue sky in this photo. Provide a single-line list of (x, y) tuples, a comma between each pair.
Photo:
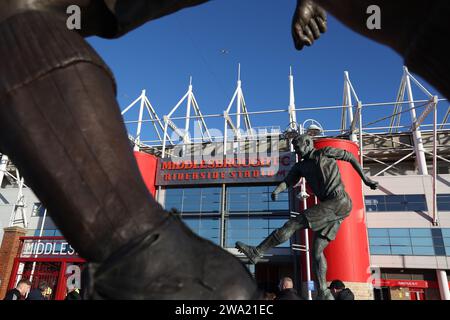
[(161, 55)]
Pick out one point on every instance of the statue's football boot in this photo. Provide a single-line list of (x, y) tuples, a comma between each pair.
[(250, 252), (325, 295), (254, 254)]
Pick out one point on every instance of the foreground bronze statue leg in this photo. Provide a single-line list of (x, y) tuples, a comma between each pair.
[(61, 126), (277, 237)]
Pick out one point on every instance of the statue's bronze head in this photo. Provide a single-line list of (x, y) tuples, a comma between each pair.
[(303, 145)]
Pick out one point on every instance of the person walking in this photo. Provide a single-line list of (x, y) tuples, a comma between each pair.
[(287, 291), (38, 293), (20, 291), (340, 292)]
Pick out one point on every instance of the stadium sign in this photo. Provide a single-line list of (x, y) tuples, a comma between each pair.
[(251, 169), (34, 247)]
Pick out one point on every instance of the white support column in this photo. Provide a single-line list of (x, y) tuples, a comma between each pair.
[(139, 125), (396, 114), (225, 133), (131, 105), (201, 119), (188, 111), (307, 254), (417, 135), (19, 215), (239, 100), (154, 119), (187, 121), (348, 99), (239, 106), (305, 231), (443, 284), (163, 155), (292, 113), (435, 143), (3, 164), (155, 116), (361, 142), (41, 232)]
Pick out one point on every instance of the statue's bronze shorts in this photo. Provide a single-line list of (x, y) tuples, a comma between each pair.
[(326, 217)]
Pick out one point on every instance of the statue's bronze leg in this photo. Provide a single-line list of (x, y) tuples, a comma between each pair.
[(277, 237), (319, 263), (61, 126)]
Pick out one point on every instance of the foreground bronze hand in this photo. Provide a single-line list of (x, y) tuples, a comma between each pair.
[(309, 21), (62, 127), (417, 29)]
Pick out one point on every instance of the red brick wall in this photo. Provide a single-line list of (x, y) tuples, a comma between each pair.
[(8, 251)]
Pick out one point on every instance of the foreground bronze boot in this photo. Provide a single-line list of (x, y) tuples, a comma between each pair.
[(61, 126), (160, 265)]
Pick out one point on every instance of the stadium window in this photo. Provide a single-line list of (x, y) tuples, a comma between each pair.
[(401, 250), (375, 203), (446, 240), (251, 230), (398, 232), (380, 242), (445, 232), (414, 241), (443, 202), (254, 200), (380, 250), (438, 241), (423, 251), (208, 228), (415, 202), (401, 242), (420, 232), (173, 199), (193, 200), (382, 203), (45, 232), (38, 210), (422, 242)]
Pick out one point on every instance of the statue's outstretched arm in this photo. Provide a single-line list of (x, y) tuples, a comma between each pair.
[(367, 181), (344, 155), (291, 179), (280, 188)]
